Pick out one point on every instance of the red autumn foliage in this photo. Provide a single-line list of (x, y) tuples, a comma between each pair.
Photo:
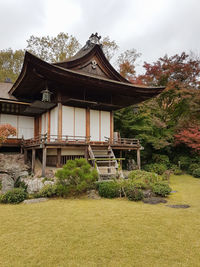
[(190, 137), (5, 131), (179, 71)]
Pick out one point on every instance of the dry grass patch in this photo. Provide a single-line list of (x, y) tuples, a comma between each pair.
[(103, 232)]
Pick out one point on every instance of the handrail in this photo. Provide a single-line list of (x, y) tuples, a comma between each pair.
[(69, 139)]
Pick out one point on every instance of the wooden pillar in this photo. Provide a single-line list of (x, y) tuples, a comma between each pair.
[(44, 160), (58, 157), (88, 124), (33, 161), (59, 121), (111, 126), (138, 158), (120, 155), (25, 156)]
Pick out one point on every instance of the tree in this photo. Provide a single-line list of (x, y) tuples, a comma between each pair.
[(5, 131), (126, 62), (10, 64), (53, 49), (109, 47), (190, 137), (178, 71)]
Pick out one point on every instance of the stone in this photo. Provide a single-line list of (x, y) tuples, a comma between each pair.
[(7, 183), (33, 185), (154, 200), (179, 206), (35, 200), (148, 193), (93, 194)]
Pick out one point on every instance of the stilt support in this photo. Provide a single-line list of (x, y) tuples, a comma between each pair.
[(33, 161), (138, 158), (25, 156), (58, 157), (44, 160)]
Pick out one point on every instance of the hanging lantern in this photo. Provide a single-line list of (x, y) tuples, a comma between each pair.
[(46, 95)]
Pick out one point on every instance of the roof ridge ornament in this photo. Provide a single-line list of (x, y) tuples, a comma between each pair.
[(93, 39)]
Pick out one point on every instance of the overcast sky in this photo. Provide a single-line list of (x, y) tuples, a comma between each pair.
[(153, 27)]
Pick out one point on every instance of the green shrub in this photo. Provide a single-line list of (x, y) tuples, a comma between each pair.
[(0, 185), (145, 177), (175, 169), (185, 162), (77, 175), (158, 168), (196, 173), (161, 189), (47, 191), (163, 159), (20, 184), (16, 195), (109, 189), (133, 193), (193, 167)]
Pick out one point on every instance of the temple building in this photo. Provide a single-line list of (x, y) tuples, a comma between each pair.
[(65, 110)]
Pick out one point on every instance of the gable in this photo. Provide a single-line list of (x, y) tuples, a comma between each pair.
[(91, 60)]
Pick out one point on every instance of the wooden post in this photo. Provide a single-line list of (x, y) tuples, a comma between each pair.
[(25, 156), (58, 157), (33, 161), (138, 158), (44, 160), (120, 155)]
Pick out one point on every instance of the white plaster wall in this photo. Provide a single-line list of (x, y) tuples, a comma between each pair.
[(67, 120), (94, 125), (54, 121), (23, 124), (105, 125), (44, 123), (25, 127), (72, 152), (80, 122)]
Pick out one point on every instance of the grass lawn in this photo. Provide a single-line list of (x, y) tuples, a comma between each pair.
[(104, 232)]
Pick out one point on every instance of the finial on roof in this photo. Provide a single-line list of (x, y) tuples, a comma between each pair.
[(94, 38)]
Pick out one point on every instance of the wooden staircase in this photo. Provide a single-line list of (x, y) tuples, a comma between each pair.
[(103, 159)]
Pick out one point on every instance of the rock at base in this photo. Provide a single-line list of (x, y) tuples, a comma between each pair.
[(35, 200), (93, 194), (154, 200), (7, 183), (179, 206)]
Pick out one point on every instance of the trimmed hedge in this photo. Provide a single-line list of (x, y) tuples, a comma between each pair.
[(109, 189)]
